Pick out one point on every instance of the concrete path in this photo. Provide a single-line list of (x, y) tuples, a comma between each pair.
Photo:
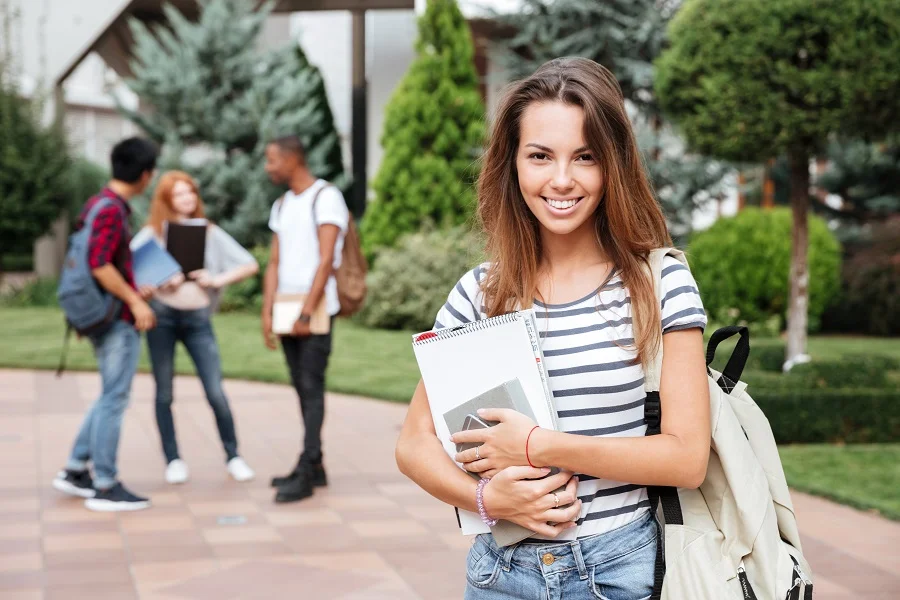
[(370, 535)]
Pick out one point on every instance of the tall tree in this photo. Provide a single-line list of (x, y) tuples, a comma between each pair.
[(34, 170), (433, 132), (216, 98), (747, 81)]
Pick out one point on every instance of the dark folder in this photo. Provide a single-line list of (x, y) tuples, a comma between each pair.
[(187, 244)]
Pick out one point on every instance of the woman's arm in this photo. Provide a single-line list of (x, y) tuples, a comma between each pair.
[(515, 494), (236, 274), (677, 457)]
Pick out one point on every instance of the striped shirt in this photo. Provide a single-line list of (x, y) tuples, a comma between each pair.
[(596, 385)]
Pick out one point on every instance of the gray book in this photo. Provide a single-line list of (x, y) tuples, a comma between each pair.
[(507, 395)]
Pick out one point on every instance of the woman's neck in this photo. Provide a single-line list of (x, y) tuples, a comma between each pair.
[(569, 254)]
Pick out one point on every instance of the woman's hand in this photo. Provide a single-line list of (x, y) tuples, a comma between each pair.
[(204, 279), (516, 495), (502, 445), (173, 284)]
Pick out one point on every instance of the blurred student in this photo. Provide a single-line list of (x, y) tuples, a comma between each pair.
[(118, 347), (308, 226), (183, 308)]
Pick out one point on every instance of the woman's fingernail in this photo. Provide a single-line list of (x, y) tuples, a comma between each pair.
[(481, 411), (545, 470)]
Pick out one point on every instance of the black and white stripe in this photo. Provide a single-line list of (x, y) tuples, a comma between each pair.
[(590, 361)]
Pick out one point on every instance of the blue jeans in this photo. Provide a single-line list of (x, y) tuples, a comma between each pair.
[(616, 565), (194, 329), (117, 354)]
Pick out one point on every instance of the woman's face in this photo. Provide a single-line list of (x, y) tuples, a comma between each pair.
[(559, 176), (184, 199)]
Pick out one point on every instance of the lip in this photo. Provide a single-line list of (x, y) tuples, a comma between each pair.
[(562, 211)]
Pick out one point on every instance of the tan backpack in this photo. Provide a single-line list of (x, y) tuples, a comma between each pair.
[(351, 275), (736, 536)]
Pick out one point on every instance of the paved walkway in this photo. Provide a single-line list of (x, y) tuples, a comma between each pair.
[(371, 535)]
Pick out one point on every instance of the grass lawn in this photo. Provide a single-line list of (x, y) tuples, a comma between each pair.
[(379, 364), (866, 476)]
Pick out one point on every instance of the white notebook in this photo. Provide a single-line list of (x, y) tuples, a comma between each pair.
[(460, 363)]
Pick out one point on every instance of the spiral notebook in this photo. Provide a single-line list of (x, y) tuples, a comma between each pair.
[(460, 363)]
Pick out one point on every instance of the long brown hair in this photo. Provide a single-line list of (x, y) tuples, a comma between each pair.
[(628, 222), (161, 206)]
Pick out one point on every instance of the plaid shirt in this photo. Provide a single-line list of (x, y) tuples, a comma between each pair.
[(109, 238)]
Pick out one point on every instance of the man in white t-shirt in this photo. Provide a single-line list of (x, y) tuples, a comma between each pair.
[(308, 226)]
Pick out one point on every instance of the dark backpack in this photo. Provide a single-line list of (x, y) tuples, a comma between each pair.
[(89, 309)]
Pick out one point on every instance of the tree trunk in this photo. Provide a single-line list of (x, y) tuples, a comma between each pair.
[(768, 196), (799, 277)]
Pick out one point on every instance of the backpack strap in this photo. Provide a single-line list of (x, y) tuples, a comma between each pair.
[(664, 495), (316, 199)]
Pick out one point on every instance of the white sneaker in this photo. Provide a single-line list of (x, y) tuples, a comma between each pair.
[(240, 470), (177, 472)]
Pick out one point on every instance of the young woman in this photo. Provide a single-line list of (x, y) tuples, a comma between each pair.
[(183, 308), (570, 220)]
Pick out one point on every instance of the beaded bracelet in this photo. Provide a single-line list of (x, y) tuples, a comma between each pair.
[(479, 500)]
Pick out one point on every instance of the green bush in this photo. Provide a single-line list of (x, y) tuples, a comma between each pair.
[(84, 179), (855, 371), (839, 415), (246, 295), (742, 266), (409, 284), (433, 132), (38, 292)]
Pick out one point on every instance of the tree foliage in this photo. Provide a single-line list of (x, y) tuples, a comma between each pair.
[(215, 100), (433, 132)]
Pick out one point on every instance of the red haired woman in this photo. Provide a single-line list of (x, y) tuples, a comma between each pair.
[(570, 221), (183, 308)]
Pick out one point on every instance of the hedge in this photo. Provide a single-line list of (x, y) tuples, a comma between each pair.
[(840, 415)]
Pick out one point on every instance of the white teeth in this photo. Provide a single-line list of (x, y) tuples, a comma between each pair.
[(561, 204)]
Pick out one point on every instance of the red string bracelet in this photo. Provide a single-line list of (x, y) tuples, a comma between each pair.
[(528, 439)]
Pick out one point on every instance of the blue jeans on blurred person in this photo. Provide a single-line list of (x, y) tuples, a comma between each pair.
[(194, 329), (117, 353)]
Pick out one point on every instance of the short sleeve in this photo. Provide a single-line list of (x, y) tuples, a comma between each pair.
[(681, 306), (275, 214), (464, 302), (331, 209), (229, 254)]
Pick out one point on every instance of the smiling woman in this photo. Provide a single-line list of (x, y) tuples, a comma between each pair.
[(570, 223)]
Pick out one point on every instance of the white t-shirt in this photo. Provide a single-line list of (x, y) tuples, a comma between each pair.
[(298, 239)]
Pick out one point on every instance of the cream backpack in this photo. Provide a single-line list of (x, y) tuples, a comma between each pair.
[(736, 537)]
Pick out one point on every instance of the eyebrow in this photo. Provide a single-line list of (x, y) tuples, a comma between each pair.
[(546, 149)]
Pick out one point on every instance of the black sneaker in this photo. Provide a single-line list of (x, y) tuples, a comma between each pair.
[(75, 483), (116, 499), (298, 486)]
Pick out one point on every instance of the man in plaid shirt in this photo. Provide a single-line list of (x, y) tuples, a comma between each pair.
[(117, 350)]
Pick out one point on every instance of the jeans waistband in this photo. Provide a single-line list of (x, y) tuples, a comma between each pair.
[(555, 557)]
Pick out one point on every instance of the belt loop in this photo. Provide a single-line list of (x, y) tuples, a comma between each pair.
[(507, 556), (579, 559)]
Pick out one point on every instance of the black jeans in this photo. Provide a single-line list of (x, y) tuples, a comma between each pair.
[(307, 360), (194, 329)]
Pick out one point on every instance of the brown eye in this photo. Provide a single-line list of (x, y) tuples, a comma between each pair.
[(538, 156)]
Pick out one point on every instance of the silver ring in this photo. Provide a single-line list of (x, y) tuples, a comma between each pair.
[(477, 452), (555, 500)]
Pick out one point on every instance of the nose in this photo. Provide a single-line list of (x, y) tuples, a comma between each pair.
[(562, 177)]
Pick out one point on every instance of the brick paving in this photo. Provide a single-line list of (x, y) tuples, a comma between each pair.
[(370, 535)]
